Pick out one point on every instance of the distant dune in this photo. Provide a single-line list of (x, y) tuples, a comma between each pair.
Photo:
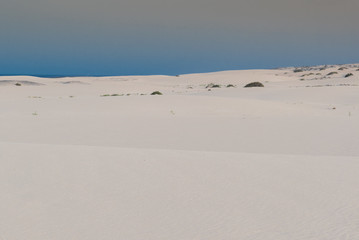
[(206, 158)]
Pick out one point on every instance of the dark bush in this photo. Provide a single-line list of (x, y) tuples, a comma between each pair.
[(332, 73), (254, 84), (212, 85), (349, 75), (230, 85), (18, 84), (305, 75), (156, 93)]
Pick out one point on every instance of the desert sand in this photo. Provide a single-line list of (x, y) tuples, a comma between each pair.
[(89, 158)]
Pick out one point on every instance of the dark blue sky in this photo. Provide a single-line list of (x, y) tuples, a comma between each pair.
[(109, 37)]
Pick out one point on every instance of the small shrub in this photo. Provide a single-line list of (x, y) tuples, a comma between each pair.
[(156, 93), (342, 68), (18, 84), (332, 73), (212, 85), (309, 74), (297, 70), (254, 84), (230, 85), (349, 75), (111, 95)]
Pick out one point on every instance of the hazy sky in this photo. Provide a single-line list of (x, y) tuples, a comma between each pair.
[(121, 37)]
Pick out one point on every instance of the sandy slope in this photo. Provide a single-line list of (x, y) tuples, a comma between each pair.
[(278, 162)]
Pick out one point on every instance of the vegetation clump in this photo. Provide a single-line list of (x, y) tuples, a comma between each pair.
[(156, 93), (322, 68), (309, 74), (254, 84), (342, 68), (349, 75), (332, 73), (111, 95), (230, 85), (18, 84), (297, 70), (212, 85)]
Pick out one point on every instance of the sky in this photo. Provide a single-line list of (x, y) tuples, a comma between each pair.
[(130, 37)]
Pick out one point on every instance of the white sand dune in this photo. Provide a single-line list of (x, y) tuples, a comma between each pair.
[(279, 162)]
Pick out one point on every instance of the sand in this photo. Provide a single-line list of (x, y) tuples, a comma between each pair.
[(279, 162)]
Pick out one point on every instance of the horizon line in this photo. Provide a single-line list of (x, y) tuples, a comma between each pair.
[(159, 74)]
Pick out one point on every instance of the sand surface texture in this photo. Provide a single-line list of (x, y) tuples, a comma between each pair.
[(89, 158)]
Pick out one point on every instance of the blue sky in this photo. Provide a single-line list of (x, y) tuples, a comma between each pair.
[(127, 37)]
